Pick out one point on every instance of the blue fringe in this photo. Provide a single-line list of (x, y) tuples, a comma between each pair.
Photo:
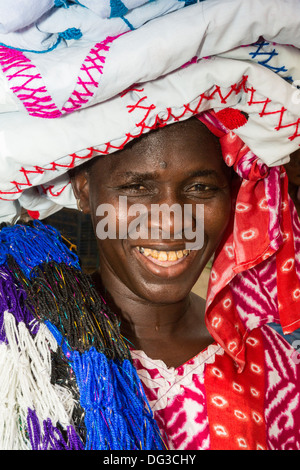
[(117, 414), (33, 245)]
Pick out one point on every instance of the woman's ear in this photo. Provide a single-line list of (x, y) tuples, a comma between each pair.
[(80, 186)]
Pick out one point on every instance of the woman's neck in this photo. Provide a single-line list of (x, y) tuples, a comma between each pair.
[(171, 332), (140, 317)]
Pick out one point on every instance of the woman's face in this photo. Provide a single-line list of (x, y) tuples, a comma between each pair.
[(180, 164)]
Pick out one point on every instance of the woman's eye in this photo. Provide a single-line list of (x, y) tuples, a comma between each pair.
[(200, 187), (135, 187)]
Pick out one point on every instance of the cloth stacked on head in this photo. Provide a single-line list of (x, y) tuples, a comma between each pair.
[(71, 90), (43, 26)]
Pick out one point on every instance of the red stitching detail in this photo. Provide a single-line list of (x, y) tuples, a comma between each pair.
[(41, 170), (280, 111), (161, 122), (49, 190), (131, 88), (296, 124), (37, 170)]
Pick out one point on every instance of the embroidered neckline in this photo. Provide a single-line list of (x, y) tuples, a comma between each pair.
[(159, 364), (171, 380)]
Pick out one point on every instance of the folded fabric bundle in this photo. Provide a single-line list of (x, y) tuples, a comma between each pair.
[(17, 14), (129, 115), (46, 26), (107, 65)]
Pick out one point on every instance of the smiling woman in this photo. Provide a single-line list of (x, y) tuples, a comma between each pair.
[(149, 281)]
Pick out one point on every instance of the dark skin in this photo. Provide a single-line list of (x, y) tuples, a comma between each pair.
[(180, 164), (293, 172)]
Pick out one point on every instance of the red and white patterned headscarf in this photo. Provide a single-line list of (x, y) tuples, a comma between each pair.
[(255, 277)]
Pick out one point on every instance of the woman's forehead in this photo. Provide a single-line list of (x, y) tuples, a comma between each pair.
[(184, 133), (183, 143)]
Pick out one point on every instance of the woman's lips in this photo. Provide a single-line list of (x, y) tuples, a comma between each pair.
[(162, 257), (165, 263)]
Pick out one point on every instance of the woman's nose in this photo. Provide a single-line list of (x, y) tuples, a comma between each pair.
[(167, 216), (166, 221)]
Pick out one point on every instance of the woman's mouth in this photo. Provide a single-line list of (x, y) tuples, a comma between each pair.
[(165, 263), (163, 258)]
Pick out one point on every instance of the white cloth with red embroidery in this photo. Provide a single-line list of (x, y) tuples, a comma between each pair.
[(60, 108)]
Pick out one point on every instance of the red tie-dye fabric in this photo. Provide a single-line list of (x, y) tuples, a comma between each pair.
[(260, 243), (208, 404), (235, 401), (256, 280)]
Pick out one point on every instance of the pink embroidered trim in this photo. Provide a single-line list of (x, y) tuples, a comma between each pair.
[(88, 80), (28, 85)]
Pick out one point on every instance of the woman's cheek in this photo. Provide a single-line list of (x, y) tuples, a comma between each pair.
[(122, 220), (216, 220)]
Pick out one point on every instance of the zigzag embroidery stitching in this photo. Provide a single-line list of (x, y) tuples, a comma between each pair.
[(27, 83), (92, 69), (49, 190), (269, 55), (24, 80), (160, 122), (280, 111), (40, 170)]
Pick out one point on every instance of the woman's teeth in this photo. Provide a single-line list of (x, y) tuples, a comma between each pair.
[(163, 255)]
